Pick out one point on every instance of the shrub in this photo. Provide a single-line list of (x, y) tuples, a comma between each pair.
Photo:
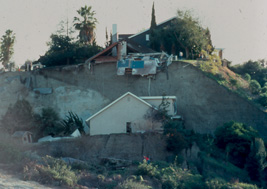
[(216, 183), (169, 184), (49, 122), (256, 161), (211, 64), (51, 171), (177, 137), (19, 117), (245, 186), (262, 100), (235, 139), (233, 81), (264, 89), (148, 169), (217, 168), (254, 87), (247, 77), (171, 176), (130, 184), (192, 181)]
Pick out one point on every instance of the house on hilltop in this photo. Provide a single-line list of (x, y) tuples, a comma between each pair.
[(132, 53), (129, 114), (143, 38)]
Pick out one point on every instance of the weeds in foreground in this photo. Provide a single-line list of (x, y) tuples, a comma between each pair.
[(51, 171)]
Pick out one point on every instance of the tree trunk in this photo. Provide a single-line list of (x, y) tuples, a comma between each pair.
[(187, 52)]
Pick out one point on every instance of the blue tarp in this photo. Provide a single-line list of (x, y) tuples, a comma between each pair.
[(137, 64), (123, 63)]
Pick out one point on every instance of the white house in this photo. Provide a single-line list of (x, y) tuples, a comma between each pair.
[(127, 114)]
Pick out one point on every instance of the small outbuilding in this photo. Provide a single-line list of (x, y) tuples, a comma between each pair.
[(23, 136)]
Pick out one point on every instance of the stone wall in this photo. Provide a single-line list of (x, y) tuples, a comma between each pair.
[(117, 146)]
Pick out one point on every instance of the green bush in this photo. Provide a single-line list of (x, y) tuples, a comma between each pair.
[(220, 168), (48, 122), (262, 100), (235, 139), (130, 184), (192, 181), (247, 77), (148, 169), (177, 137), (50, 172), (264, 89), (170, 183), (216, 183), (256, 161), (171, 176), (255, 87), (245, 186), (233, 81)]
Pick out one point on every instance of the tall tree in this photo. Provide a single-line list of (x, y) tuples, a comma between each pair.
[(153, 18), (7, 44), (108, 38), (154, 44), (209, 47), (185, 34), (189, 33), (86, 25)]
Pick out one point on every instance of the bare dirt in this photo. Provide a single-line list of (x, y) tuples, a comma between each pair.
[(11, 181)]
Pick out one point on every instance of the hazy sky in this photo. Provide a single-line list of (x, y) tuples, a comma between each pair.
[(239, 26)]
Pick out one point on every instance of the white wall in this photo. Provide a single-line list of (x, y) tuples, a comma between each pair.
[(114, 119)]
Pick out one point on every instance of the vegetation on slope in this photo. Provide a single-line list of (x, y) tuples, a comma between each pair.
[(247, 80), (217, 166)]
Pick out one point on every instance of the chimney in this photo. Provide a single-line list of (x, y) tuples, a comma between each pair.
[(114, 38)]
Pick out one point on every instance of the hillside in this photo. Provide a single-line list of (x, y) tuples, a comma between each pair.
[(115, 161), (202, 102)]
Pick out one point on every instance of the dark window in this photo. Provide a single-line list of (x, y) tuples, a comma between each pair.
[(128, 127), (128, 71)]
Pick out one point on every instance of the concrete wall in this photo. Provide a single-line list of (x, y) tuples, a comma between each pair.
[(114, 119), (204, 104), (119, 146)]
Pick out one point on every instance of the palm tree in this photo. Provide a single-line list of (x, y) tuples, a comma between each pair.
[(86, 26)]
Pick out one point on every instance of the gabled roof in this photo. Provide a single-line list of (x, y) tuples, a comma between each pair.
[(103, 52), (158, 25), (20, 133), (132, 45), (117, 100)]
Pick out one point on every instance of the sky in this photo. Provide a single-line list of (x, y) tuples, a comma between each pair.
[(238, 26)]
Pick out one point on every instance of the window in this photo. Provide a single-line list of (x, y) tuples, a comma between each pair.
[(147, 37), (128, 127)]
